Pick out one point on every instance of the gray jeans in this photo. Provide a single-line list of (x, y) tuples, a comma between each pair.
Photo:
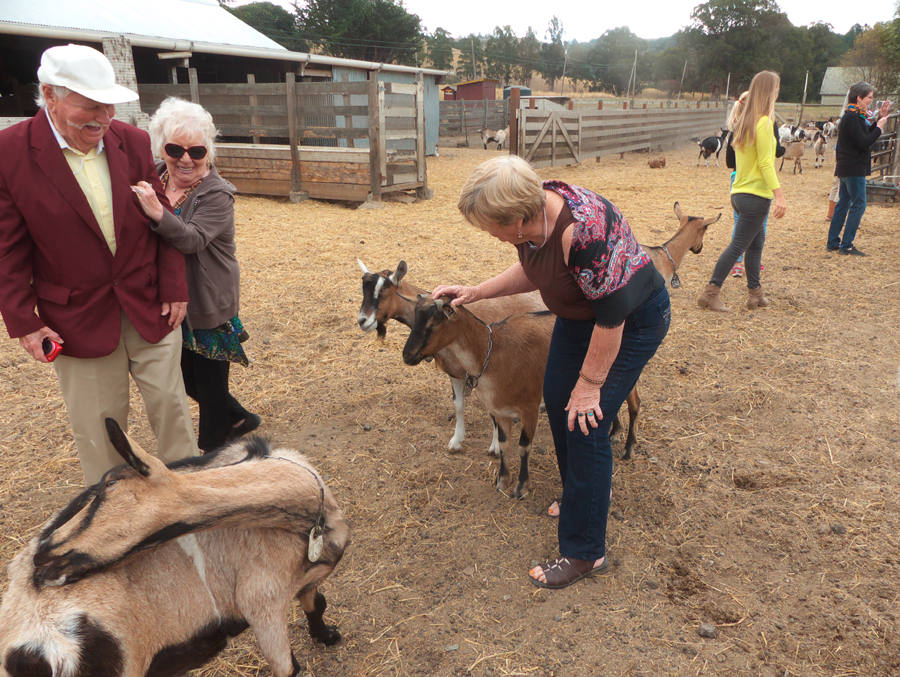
[(748, 239)]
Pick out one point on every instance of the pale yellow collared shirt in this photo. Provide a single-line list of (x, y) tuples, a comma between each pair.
[(91, 170)]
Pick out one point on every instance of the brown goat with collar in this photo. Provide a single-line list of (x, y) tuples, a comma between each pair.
[(504, 364), (388, 295), (149, 572)]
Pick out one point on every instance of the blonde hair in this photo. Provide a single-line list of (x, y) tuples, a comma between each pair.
[(176, 116), (501, 191), (760, 101), (736, 110)]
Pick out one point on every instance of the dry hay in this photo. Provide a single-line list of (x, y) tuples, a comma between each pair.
[(761, 499)]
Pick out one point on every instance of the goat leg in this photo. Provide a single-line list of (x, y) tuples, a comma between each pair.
[(494, 449), (459, 406), (504, 428), (318, 629), (529, 426), (634, 410)]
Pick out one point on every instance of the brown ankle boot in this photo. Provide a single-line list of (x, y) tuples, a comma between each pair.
[(831, 204), (756, 299), (710, 298)]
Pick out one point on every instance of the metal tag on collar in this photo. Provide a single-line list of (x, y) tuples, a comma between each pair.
[(315, 542), (676, 282)]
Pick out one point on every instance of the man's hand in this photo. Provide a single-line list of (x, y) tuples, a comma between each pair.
[(33, 343), (176, 312)]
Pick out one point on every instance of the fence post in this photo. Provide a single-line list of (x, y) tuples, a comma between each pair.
[(296, 194), (422, 192), (600, 104), (376, 134), (195, 86), (254, 119), (514, 94)]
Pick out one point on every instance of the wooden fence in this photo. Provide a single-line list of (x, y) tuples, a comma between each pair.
[(329, 140), (553, 138), (465, 118)]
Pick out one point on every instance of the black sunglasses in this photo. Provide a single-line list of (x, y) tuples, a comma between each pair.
[(176, 152)]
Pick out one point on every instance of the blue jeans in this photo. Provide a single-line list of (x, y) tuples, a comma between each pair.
[(851, 206), (740, 258), (586, 461), (749, 236)]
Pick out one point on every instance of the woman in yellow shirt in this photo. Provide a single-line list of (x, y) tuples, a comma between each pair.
[(755, 187)]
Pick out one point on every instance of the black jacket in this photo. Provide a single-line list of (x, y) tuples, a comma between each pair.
[(854, 146), (729, 151)]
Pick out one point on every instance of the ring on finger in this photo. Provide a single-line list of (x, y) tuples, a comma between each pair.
[(591, 414), (139, 191), (580, 414)]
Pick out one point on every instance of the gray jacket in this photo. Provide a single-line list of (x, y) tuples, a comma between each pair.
[(204, 233)]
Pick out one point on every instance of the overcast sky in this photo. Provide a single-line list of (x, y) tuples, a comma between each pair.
[(585, 20)]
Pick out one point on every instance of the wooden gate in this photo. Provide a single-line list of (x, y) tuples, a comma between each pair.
[(549, 138)]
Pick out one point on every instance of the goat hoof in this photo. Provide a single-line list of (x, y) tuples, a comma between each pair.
[(520, 494), (329, 636), (626, 456), (502, 484)]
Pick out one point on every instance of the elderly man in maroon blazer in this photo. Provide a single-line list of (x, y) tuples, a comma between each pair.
[(80, 265)]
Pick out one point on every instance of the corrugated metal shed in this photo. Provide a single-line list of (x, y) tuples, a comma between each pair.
[(192, 20)]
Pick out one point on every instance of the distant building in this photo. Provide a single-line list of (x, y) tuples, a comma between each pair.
[(836, 83), (484, 89), (449, 93)]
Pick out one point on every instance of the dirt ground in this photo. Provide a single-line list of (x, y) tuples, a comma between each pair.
[(762, 500)]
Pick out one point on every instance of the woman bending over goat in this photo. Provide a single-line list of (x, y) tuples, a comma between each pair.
[(755, 187), (612, 312)]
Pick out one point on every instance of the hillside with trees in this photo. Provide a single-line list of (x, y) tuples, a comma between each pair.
[(724, 39)]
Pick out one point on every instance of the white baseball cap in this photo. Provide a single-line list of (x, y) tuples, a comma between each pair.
[(85, 71)]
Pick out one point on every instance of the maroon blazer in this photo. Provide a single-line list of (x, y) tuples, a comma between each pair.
[(53, 255)]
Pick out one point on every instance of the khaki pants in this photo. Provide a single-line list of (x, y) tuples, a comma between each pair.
[(97, 388)]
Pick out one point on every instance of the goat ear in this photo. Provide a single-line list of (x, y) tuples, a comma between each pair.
[(443, 304), (400, 273), (362, 266), (678, 213), (122, 444)]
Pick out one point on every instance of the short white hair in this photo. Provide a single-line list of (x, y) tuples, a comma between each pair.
[(60, 92), (177, 116)]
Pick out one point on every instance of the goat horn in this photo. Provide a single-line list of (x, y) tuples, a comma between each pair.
[(363, 266)]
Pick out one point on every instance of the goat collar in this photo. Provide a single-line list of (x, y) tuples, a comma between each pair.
[(315, 534), (472, 381), (676, 282)]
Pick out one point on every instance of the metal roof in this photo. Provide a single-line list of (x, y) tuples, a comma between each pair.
[(190, 20), (837, 80)]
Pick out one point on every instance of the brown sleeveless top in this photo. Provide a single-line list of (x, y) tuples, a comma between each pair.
[(546, 269)]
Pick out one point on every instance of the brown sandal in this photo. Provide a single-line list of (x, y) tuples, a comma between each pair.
[(558, 502), (562, 572)]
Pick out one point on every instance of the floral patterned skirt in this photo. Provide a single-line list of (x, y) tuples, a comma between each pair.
[(222, 343)]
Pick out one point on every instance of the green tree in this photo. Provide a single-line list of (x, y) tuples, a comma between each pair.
[(468, 46), (440, 50), (553, 54), (873, 58), (370, 30), (272, 21), (501, 54), (529, 56), (611, 61)]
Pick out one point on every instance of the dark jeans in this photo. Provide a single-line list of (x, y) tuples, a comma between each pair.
[(749, 237), (586, 461), (850, 207), (206, 382)]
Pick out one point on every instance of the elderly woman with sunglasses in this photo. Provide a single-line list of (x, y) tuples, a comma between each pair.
[(202, 228)]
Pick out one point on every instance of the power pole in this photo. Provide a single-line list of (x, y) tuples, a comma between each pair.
[(474, 74), (682, 81), (565, 63)]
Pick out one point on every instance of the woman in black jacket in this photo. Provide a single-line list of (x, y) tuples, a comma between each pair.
[(854, 163)]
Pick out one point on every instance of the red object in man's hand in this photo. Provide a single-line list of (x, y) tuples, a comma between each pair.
[(51, 349)]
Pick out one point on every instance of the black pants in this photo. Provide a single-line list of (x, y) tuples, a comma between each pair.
[(206, 382)]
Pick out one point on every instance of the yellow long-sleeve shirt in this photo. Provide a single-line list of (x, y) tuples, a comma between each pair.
[(756, 164)]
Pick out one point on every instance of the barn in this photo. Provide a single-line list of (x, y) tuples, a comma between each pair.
[(483, 89), (210, 56), (836, 82)]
